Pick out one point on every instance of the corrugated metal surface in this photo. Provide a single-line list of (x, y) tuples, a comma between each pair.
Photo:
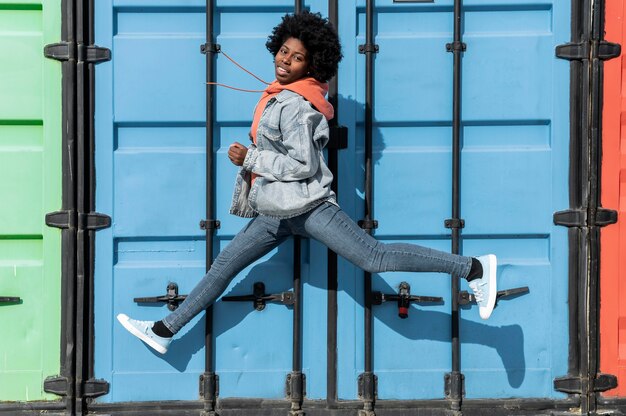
[(150, 167), (613, 307), (513, 177), (30, 186)]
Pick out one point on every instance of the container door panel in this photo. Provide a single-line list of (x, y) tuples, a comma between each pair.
[(150, 121), (30, 185), (613, 237), (515, 141)]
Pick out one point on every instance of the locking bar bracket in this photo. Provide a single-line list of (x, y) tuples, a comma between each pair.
[(210, 48), (210, 224), (466, 298), (295, 386), (171, 297), (368, 224), (369, 48), (259, 298), (10, 299), (456, 46), (368, 386), (454, 223)]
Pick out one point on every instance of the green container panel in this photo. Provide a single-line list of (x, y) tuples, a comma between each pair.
[(30, 187)]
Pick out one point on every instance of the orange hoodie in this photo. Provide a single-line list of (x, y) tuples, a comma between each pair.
[(312, 90)]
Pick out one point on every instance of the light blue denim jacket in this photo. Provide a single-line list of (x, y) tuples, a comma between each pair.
[(292, 175)]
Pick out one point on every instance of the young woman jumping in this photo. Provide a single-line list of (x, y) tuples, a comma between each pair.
[(284, 184)]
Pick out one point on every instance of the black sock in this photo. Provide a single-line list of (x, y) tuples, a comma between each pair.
[(476, 272), (161, 330)]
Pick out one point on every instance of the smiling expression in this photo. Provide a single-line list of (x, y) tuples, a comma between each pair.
[(291, 62)]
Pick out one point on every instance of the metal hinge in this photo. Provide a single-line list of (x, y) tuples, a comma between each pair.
[(92, 388), (64, 51), (579, 218), (70, 219), (56, 385), (574, 384), (578, 51)]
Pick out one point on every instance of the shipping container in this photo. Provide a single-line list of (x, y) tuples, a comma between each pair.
[(467, 126), (612, 311), (30, 185)]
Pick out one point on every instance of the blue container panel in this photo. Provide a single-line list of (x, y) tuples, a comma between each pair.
[(151, 180), (514, 172)]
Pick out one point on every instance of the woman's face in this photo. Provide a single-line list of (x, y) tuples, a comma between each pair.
[(291, 62)]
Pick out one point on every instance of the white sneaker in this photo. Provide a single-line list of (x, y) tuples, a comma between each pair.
[(485, 289), (143, 331)]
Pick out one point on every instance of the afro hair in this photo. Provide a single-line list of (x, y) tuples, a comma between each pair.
[(318, 36)]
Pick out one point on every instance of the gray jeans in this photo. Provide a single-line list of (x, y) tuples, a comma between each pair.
[(331, 226)]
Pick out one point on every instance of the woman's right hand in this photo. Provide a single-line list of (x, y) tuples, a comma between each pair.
[(237, 153)]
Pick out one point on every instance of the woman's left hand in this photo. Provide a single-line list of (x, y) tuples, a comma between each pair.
[(237, 153)]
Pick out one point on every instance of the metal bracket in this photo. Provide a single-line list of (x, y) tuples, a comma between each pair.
[(368, 224), (70, 219), (338, 138), (454, 223), (368, 386), (93, 221), (56, 385), (210, 47), (93, 54), (61, 219), (259, 298), (295, 386), (404, 299), (580, 218), (576, 385), (209, 385), (456, 46), (93, 388), (454, 384), (65, 51), (602, 50), (467, 298), (369, 48), (10, 299), (172, 298), (210, 224)]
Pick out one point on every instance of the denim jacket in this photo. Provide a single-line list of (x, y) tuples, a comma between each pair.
[(292, 175)]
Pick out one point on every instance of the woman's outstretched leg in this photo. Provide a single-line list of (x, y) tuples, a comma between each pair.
[(332, 227), (259, 237)]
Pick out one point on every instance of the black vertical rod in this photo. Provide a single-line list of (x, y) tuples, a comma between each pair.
[(368, 377), (208, 380), (297, 380), (456, 378), (81, 176), (91, 193), (331, 316), (68, 198)]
